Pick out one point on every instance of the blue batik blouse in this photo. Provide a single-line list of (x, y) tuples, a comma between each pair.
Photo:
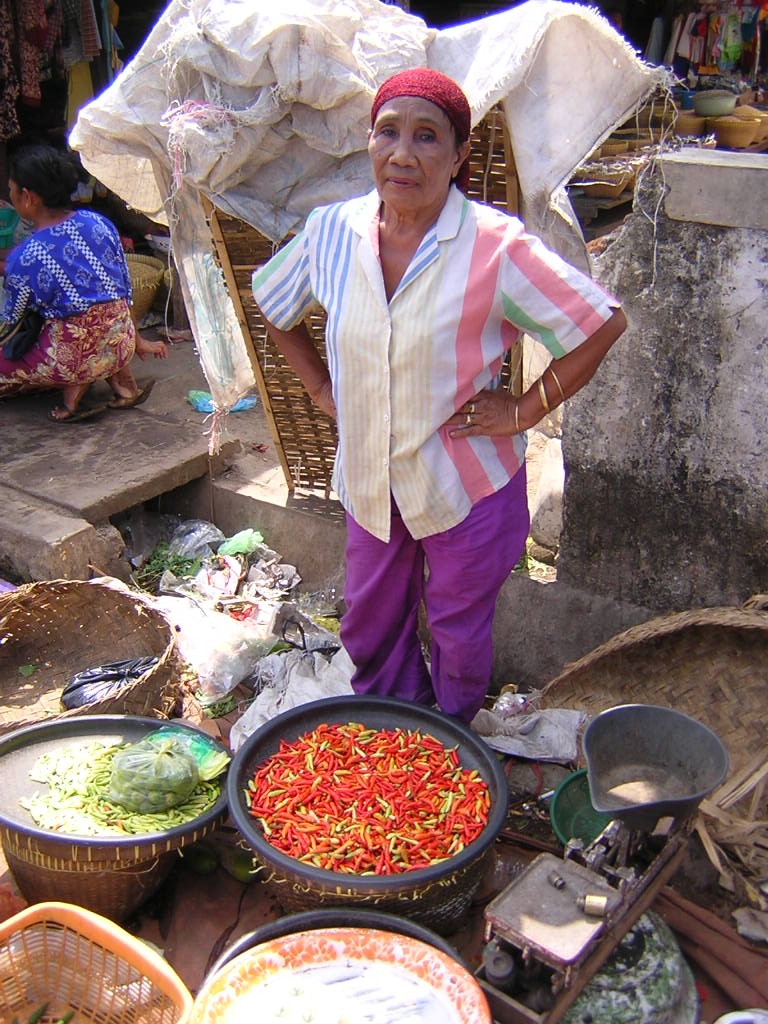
[(66, 268)]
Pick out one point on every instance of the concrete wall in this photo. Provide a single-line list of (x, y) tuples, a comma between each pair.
[(666, 503)]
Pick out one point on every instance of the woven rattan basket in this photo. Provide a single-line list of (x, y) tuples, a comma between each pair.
[(146, 274), (711, 663), (73, 959), (51, 630)]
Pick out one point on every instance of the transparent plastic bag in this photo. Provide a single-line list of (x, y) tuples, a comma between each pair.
[(220, 650), (211, 759), (196, 538), (154, 774)]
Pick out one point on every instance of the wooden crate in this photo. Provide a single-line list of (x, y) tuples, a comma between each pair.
[(305, 438)]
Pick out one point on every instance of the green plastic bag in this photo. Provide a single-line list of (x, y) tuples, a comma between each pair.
[(155, 774), (211, 759), (242, 543)]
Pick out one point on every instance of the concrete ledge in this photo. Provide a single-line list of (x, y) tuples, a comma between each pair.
[(41, 542), (712, 186)]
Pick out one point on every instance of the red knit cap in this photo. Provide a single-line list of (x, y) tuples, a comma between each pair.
[(438, 89)]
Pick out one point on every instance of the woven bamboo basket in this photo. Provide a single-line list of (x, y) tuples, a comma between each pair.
[(305, 439), (77, 960), (51, 630), (708, 662), (146, 275)]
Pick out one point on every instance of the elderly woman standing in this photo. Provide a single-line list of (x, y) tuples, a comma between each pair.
[(425, 291)]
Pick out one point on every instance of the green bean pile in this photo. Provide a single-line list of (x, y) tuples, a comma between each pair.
[(77, 801)]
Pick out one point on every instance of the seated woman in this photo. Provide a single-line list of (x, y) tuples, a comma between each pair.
[(72, 270)]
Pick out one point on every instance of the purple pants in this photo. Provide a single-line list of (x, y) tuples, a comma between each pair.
[(385, 585)]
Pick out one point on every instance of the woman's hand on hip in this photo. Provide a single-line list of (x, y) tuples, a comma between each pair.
[(488, 413)]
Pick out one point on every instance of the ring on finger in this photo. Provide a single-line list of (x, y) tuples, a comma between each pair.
[(468, 420), (471, 408)]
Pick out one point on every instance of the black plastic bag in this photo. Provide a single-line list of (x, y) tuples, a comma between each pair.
[(99, 682), (17, 339)]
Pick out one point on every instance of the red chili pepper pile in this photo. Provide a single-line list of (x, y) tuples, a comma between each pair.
[(368, 801)]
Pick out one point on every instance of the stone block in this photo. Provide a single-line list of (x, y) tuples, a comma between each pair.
[(41, 542)]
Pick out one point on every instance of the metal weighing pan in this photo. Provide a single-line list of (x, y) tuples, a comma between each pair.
[(646, 762)]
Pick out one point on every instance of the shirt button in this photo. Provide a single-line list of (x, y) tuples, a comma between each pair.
[(386, 418), (385, 461)]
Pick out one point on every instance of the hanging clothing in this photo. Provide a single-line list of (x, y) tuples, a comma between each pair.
[(33, 24), (79, 89), (9, 82)]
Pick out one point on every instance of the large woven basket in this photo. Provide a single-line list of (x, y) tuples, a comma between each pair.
[(146, 275), (51, 630), (711, 663), (73, 959)]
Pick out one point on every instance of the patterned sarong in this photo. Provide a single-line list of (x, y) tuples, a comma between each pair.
[(78, 349)]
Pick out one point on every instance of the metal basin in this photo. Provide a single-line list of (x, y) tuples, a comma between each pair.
[(646, 762)]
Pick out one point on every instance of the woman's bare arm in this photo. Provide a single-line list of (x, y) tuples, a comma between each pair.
[(300, 351)]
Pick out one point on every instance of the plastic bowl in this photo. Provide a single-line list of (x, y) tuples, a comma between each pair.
[(645, 762), (437, 896), (714, 102), (572, 813)]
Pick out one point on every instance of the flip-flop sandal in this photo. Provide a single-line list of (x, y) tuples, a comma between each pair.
[(133, 400), (76, 415)]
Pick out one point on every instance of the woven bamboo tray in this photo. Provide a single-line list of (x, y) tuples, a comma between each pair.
[(51, 630), (305, 439), (711, 663)]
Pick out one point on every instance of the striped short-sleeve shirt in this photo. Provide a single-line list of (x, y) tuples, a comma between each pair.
[(401, 368)]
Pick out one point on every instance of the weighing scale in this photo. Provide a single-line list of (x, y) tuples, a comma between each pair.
[(552, 928)]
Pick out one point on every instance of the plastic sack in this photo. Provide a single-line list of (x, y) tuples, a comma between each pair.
[(220, 650), (242, 543), (291, 678), (155, 774), (99, 682), (195, 538), (202, 401)]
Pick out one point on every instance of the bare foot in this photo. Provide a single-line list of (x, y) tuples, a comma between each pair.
[(123, 383), (71, 395)]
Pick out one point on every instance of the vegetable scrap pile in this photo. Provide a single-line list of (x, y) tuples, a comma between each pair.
[(78, 800), (367, 801)]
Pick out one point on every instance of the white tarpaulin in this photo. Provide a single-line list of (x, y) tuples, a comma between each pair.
[(265, 109)]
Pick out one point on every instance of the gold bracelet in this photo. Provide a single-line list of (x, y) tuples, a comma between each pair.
[(543, 394), (517, 415), (557, 381)]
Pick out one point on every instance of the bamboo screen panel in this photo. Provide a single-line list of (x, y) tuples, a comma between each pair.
[(305, 439)]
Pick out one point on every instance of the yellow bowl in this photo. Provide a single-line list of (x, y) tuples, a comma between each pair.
[(735, 132), (689, 123)]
